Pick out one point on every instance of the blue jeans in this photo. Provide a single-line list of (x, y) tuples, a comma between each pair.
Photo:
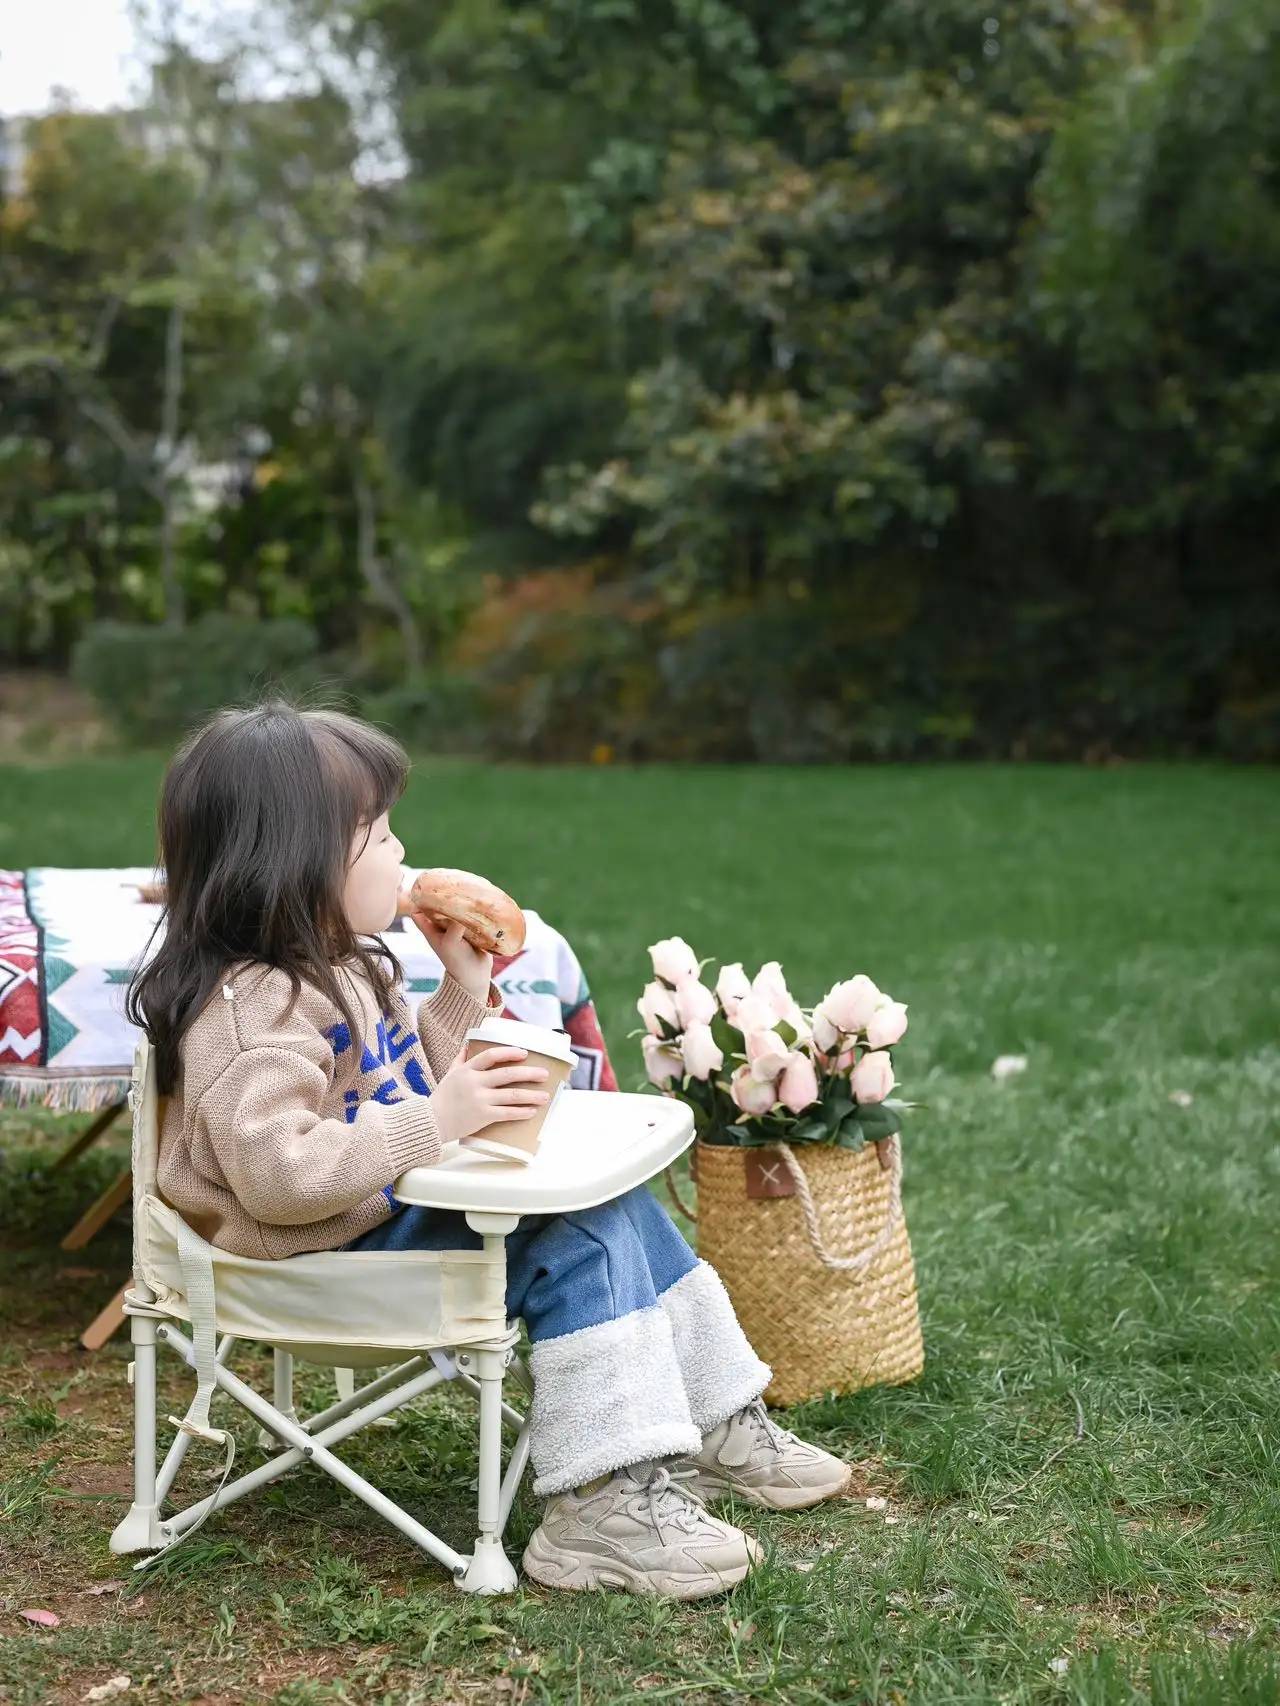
[(564, 1271), (636, 1351)]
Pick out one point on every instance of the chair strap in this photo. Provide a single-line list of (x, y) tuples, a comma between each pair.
[(197, 1279)]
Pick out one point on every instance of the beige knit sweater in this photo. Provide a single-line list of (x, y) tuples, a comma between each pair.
[(276, 1139)]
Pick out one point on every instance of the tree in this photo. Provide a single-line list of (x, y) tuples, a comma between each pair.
[(794, 382), (81, 348)]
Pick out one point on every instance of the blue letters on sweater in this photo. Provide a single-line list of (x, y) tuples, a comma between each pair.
[(383, 1078), (394, 1042)]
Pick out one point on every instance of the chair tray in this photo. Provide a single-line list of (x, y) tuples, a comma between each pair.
[(596, 1145)]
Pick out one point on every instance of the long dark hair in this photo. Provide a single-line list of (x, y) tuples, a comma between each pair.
[(257, 817)]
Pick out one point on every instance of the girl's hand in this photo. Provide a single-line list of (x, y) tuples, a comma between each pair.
[(467, 965), (492, 1086)]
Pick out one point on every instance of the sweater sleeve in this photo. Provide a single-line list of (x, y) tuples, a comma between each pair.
[(443, 1022), (286, 1163)]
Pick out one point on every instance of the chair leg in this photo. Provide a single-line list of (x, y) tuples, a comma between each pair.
[(177, 1452), (282, 1365), (140, 1531), (344, 1379), (314, 1447), (489, 1570)]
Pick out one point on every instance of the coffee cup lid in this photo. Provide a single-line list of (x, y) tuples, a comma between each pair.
[(516, 1033)]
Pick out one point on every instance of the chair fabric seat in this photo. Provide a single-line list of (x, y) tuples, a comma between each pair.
[(357, 1308)]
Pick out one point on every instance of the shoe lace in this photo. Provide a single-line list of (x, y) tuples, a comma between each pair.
[(659, 1490), (762, 1426)]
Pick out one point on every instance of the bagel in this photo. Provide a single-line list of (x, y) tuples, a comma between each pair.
[(490, 919)]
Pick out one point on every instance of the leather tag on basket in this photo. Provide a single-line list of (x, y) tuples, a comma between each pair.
[(767, 1175)]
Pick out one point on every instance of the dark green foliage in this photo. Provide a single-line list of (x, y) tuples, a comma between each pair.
[(159, 682), (439, 715), (890, 446), (902, 377)]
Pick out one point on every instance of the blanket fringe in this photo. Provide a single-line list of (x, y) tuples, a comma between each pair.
[(62, 1095)]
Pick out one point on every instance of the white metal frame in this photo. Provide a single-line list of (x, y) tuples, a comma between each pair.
[(486, 1569), (606, 1146)]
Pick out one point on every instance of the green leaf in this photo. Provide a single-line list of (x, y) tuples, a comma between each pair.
[(728, 1038), (837, 1105), (811, 1129), (787, 1032), (878, 1122), (850, 1136), (849, 1120)]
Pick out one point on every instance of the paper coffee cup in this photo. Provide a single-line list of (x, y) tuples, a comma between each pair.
[(518, 1140)]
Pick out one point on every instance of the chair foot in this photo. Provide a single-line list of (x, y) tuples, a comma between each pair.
[(140, 1531), (267, 1441), (489, 1570)]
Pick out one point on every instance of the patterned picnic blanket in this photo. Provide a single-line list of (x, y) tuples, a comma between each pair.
[(69, 941)]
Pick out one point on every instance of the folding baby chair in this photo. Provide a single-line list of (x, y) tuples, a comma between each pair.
[(435, 1315)]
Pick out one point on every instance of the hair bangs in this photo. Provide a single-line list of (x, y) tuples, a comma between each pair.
[(368, 767)]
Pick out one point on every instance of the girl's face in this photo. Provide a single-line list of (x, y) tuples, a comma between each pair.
[(373, 879)]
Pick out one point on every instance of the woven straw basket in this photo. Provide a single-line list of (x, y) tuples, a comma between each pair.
[(822, 1281)]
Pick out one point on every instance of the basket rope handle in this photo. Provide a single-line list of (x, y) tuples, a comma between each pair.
[(864, 1258), (689, 1213)]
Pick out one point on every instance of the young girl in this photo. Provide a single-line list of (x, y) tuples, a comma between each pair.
[(300, 1089)]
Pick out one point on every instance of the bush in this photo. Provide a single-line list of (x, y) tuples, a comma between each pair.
[(155, 683), (447, 714)]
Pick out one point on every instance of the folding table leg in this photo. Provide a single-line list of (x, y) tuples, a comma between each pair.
[(94, 1219), (89, 1135), (105, 1323)]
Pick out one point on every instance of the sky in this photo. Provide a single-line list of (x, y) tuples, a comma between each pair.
[(91, 49), (82, 45)]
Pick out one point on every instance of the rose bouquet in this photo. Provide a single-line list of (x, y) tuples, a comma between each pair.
[(757, 1069)]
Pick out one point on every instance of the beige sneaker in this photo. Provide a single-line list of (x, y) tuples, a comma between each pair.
[(640, 1531), (756, 1461)]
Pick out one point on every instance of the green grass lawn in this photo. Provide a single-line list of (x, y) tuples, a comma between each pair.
[(1089, 1251)]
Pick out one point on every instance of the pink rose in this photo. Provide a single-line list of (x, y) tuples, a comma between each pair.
[(849, 1006), (798, 1085), (887, 1025), (695, 1004), (767, 1054), (661, 1061), (770, 985), (655, 1004), (674, 961), (701, 1056), (732, 986), (872, 1078), (752, 1095), (799, 1024), (825, 1034), (754, 1014)]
